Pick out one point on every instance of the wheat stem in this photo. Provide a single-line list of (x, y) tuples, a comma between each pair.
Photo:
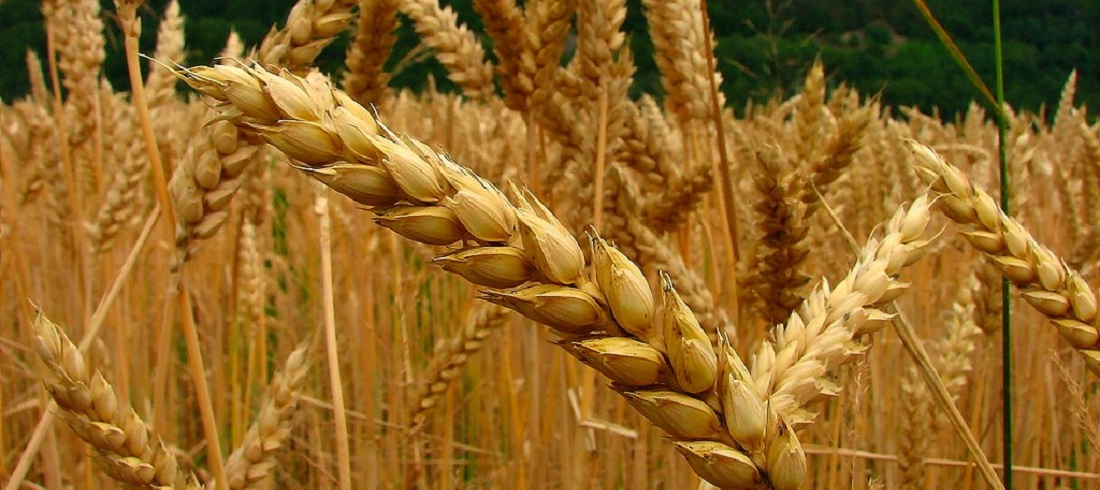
[(128, 14), (339, 411)]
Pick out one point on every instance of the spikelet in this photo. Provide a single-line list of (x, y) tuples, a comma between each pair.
[(495, 267), (627, 291), (721, 465), (563, 308), (689, 349), (627, 361)]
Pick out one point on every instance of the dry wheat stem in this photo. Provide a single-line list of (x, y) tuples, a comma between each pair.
[(132, 27), (943, 397), (321, 207), (1045, 281)]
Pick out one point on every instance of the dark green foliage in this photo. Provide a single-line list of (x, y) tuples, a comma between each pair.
[(764, 47)]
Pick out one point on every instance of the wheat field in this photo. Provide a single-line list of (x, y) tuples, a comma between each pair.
[(250, 274)]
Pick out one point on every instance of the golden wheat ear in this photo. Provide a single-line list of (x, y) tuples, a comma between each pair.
[(126, 448), (1045, 280), (254, 459)]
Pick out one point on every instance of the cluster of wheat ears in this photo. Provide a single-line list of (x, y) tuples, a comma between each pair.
[(707, 269)]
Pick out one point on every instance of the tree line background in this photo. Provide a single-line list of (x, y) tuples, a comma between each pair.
[(763, 50)]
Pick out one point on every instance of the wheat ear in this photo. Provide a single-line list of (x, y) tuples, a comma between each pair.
[(127, 150), (505, 23), (825, 331), (455, 46), (676, 27), (160, 84), (778, 279), (310, 26), (254, 459), (127, 449), (1045, 281), (450, 357), (606, 320), (366, 78)]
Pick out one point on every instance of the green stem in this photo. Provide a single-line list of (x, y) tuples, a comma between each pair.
[(1006, 312)]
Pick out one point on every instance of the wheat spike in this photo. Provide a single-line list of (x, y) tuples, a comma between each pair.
[(825, 331), (254, 459), (310, 26), (126, 448), (504, 21), (160, 84), (455, 46), (449, 358), (1046, 282), (365, 81)]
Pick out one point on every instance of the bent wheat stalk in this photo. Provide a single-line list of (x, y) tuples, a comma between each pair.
[(1045, 281), (718, 413)]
